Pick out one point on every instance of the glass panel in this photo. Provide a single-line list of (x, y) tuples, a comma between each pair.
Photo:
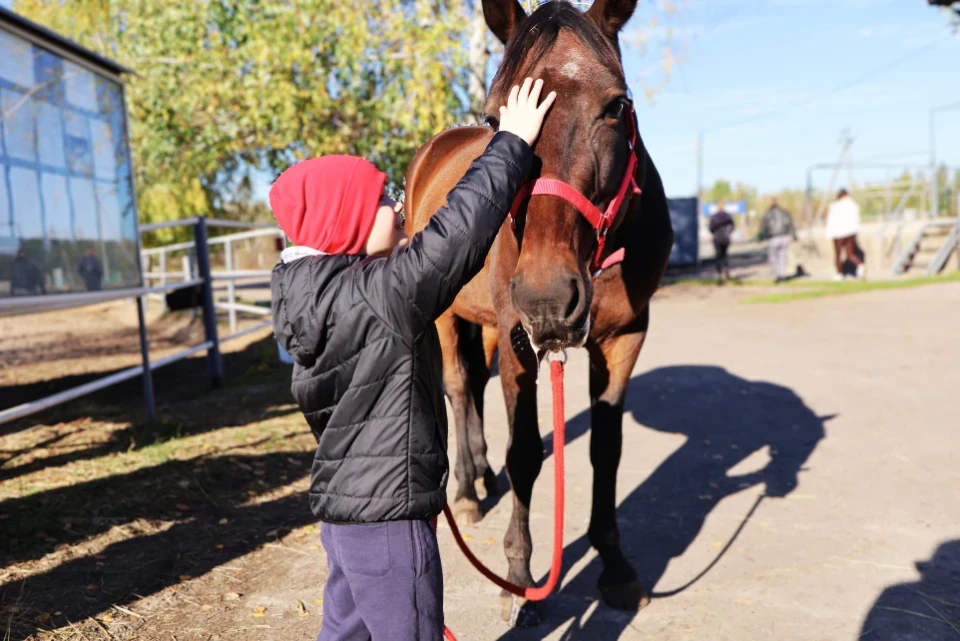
[(105, 150), (77, 143), (50, 133), (56, 206), (67, 215), (81, 86), (6, 222), (17, 67), (86, 218), (18, 126), (27, 219), (110, 220)]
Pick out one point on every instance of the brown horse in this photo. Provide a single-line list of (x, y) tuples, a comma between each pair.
[(537, 287)]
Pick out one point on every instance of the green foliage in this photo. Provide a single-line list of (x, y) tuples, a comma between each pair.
[(224, 87)]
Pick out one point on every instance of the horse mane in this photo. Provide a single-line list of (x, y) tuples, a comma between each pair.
[(537, 34)]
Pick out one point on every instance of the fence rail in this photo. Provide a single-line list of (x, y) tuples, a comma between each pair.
[(203, 277)]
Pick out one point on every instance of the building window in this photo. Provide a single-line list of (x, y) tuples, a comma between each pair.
[(67, 217)]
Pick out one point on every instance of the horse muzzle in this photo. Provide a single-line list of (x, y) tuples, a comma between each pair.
[(555, 314)]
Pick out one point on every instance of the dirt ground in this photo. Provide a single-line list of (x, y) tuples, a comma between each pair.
[(197, 527)]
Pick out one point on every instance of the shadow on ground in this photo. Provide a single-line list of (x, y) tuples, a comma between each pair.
[(173, 519), (925, 610), (725, 420), (176, 385)]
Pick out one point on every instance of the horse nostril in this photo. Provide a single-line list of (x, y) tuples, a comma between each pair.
[(573, 307)]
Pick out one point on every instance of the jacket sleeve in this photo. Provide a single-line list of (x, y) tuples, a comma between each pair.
[(412, 287)]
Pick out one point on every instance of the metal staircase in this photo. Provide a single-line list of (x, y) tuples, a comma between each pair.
[(930, 249)]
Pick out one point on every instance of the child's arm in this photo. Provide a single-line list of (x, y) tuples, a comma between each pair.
[(420, 281)]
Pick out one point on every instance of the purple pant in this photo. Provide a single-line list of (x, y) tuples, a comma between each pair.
[(385, 582)]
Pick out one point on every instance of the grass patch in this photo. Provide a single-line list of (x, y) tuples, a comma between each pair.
[(801, 291)]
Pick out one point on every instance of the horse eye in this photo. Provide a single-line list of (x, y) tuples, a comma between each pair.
[(615, 109), (493, 122)]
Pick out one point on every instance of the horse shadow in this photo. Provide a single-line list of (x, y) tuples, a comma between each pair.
[(927, 610), (725, 419)]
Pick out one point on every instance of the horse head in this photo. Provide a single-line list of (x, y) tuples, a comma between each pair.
[(585, 143)]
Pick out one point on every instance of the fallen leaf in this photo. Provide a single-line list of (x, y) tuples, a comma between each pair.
[(43, 618), (232, 596), (259, 612), (223, 521), (219, 546), (717, 544), (302, 609), (490, 541), (185, 483), (206, 606), (318, 601), (185, 577), (272, 533), (182, 507), (107, 618), (467, 537)]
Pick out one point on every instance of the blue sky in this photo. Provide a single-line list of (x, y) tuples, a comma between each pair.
[(775, 66)]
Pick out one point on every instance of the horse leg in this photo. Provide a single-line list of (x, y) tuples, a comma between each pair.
[(480, 365), (466, 505), (518, 374), (611, 363)]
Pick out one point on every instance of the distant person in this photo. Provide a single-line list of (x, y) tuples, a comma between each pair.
[(25, 277), (778, 230), (843, 224), (91, 271), (721, 226)]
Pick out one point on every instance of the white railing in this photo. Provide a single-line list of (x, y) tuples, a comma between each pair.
[(229, 274)]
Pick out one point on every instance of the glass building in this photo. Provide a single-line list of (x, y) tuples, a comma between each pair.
[(68, 220)]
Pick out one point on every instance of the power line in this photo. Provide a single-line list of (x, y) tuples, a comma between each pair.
[(853, 82)]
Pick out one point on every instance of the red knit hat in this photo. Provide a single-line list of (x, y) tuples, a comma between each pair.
[(328, 203)]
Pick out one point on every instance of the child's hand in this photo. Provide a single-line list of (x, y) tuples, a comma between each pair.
[(521, 116)]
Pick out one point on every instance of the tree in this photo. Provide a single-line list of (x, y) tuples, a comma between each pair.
[(224, 87)]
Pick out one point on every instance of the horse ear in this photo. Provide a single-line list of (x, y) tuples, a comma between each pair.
[(611, 15), (502, 17)]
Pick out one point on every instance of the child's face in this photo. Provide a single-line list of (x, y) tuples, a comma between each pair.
[(387, 232)]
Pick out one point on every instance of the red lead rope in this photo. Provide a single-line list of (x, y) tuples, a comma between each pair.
[(559, 441)]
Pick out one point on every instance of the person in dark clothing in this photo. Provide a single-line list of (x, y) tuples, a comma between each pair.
[(25, 277), (354, 304), (721, 226), (91, 271), (778, 230)]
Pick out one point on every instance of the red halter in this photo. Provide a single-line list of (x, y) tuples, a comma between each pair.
[(601, 222)]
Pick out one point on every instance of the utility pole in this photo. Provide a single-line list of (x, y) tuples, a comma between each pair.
[(846, 158)]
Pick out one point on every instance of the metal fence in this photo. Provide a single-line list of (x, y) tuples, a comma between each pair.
[(185, 269), (199, 274)]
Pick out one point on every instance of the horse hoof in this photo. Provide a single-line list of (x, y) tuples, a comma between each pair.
[(520, 613), (630, 596), (466, 512)]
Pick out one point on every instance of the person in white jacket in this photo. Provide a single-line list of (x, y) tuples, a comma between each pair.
[(843, 223)]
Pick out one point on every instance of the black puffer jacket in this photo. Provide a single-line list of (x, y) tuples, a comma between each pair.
[(368, 373)]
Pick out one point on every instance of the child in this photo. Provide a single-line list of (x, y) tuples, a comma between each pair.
[(354, 304)]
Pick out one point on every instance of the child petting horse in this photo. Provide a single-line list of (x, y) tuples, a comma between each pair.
[(354, 303)]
